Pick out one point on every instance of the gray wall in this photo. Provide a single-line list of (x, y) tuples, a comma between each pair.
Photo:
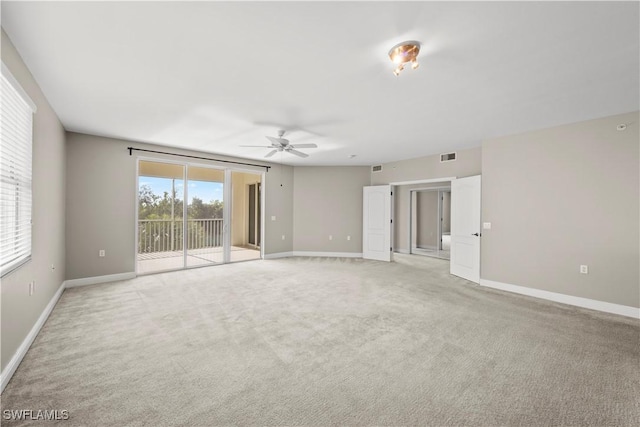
[(279, 202), (101, 197), (446, 211), (19, 310), (561, 197), (328, 201), (427, 219), (469, 163)]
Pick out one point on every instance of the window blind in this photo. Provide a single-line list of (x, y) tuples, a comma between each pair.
[(16, 112)]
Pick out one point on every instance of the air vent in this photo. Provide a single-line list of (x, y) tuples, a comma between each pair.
[(377, 168), (447, 157)]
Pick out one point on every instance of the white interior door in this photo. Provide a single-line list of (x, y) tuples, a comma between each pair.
[(465, 228), (376, 233)]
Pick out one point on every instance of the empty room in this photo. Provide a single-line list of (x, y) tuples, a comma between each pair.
[(320, 213)]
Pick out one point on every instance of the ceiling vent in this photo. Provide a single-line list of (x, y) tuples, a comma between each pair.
[(377, 168), (447, 157)]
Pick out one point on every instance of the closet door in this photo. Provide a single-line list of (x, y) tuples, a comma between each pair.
[(376, 233), (465, 228)]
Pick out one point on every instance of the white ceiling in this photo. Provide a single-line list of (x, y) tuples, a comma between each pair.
[(212, 76)]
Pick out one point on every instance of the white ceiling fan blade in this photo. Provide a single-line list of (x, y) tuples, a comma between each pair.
[(256, 146), (298, 153), (271, 153), (304, 146)]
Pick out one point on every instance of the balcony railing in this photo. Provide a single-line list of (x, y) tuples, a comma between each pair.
[(165, 235)]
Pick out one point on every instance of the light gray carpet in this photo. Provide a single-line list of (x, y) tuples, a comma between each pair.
[(325, 341)]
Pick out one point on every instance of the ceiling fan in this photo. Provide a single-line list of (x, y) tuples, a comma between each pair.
[(281, 144)]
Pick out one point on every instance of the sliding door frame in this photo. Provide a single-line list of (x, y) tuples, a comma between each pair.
[(137, 213), (263, 177), (227, 204), (257, 214)]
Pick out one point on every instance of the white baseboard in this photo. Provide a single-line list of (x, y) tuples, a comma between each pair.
[(13, 364), (278, 255), (607, 307), (310, 253), (329, 254), (99, 279), (428, 248), (402, 251)]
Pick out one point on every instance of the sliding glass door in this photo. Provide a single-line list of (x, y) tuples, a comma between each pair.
[(246, 214), (205, 216), (189, 216), (160, 216)]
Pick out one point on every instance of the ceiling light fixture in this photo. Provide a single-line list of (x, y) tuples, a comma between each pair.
[(404, 53)]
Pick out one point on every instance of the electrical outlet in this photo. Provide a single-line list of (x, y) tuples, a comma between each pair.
[(330, 237), (584, 269), (486, 225), (273, 217), (101, 253), (348, 237), (283, 237), (32, 287)]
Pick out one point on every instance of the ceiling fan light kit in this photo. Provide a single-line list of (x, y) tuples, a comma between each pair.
[(280, 144), (403, 54)]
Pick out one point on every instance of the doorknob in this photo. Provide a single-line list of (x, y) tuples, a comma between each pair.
[(476, 234)]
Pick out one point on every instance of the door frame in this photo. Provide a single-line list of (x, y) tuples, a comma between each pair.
[(137, 210), (443, 180), (263, 185), (257, 214), (411, 194), (395, 184)]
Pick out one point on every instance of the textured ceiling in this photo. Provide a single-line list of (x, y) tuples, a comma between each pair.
[(212, 76)]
